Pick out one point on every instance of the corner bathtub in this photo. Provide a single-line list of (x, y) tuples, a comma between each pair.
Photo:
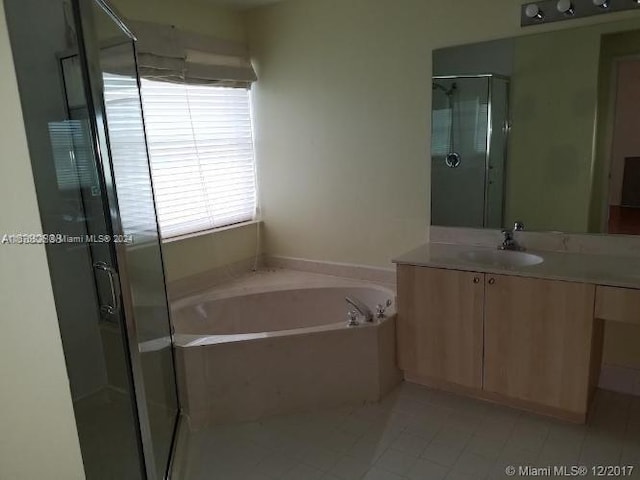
[(262, 351)]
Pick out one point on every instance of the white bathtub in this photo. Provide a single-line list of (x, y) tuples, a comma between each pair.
[(270, 349)]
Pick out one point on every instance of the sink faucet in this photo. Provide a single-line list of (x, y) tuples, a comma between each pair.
[(509, 242), (361, 308)]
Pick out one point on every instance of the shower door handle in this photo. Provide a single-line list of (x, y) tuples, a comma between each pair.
[(114, 284)]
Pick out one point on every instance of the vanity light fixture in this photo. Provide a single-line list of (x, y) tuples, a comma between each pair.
[(533, 11), (537, 12), (566, 7)]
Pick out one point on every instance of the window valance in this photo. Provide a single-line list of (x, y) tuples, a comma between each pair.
[(168, 53)]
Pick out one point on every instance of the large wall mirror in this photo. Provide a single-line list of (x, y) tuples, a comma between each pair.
[(542, 129)]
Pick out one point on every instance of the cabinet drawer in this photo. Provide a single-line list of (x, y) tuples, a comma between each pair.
[(618, 304)]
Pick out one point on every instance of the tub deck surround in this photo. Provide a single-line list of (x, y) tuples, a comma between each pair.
[(203, 282), (597, 269), (377, 275), (272, 279), (241, 271), (275, 342)]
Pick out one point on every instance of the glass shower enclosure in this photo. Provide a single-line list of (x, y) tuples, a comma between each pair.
[(91, 170), (470, 128)]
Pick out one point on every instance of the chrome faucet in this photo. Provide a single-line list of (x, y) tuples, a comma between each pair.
[(509, 242), (361, 308), (381, 309)]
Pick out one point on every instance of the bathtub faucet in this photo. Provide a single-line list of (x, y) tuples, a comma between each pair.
[(361, 308), (381, 309)]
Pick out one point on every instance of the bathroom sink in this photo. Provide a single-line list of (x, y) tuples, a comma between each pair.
[(501, 258)]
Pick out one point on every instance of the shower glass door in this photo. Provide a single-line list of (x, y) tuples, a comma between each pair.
[(459, 126), (120, 135), (468, 150)]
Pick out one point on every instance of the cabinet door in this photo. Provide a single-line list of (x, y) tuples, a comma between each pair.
[(538, 337), (439, 324)]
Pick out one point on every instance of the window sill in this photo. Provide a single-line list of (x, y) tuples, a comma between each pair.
[(210, 231)]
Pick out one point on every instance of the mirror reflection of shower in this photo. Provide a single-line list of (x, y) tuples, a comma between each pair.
[(468, 149), (452, 159)]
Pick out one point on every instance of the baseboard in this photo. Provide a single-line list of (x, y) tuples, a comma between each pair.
[(386, 276), (615, 378), (569, 416), (620, 379)]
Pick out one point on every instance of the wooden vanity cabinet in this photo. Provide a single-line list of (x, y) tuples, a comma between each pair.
[(538, 341), (440, 324), (521, 341)]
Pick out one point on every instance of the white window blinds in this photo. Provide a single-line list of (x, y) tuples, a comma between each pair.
[(72, 154), (201, 151), (129, 156), (470, 119)]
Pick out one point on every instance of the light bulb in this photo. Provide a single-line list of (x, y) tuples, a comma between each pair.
[(533, 11), (566, 7), (601, 3)]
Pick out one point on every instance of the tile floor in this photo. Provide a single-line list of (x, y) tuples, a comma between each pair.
[(414, 433), (108, 439), (106, 428)]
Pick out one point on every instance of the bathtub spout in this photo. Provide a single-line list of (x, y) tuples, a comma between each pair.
[(361, 308)]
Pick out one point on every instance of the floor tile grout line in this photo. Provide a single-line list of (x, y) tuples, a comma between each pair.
[(391, 423)]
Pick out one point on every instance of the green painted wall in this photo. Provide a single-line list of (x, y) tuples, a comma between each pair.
[(553, 104), (39, 436), (559, 100)]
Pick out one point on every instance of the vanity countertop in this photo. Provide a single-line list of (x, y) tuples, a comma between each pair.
[(610, 270)]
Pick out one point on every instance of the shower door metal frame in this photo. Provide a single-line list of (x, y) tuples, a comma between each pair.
[(489, 77), (94, 89)]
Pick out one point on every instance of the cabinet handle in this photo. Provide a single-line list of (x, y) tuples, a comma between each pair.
[(492, 281), (476, 279)]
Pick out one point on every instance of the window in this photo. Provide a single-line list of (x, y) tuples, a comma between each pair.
[(201, 151), (470, 119), (72, 155), (129, 156)]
